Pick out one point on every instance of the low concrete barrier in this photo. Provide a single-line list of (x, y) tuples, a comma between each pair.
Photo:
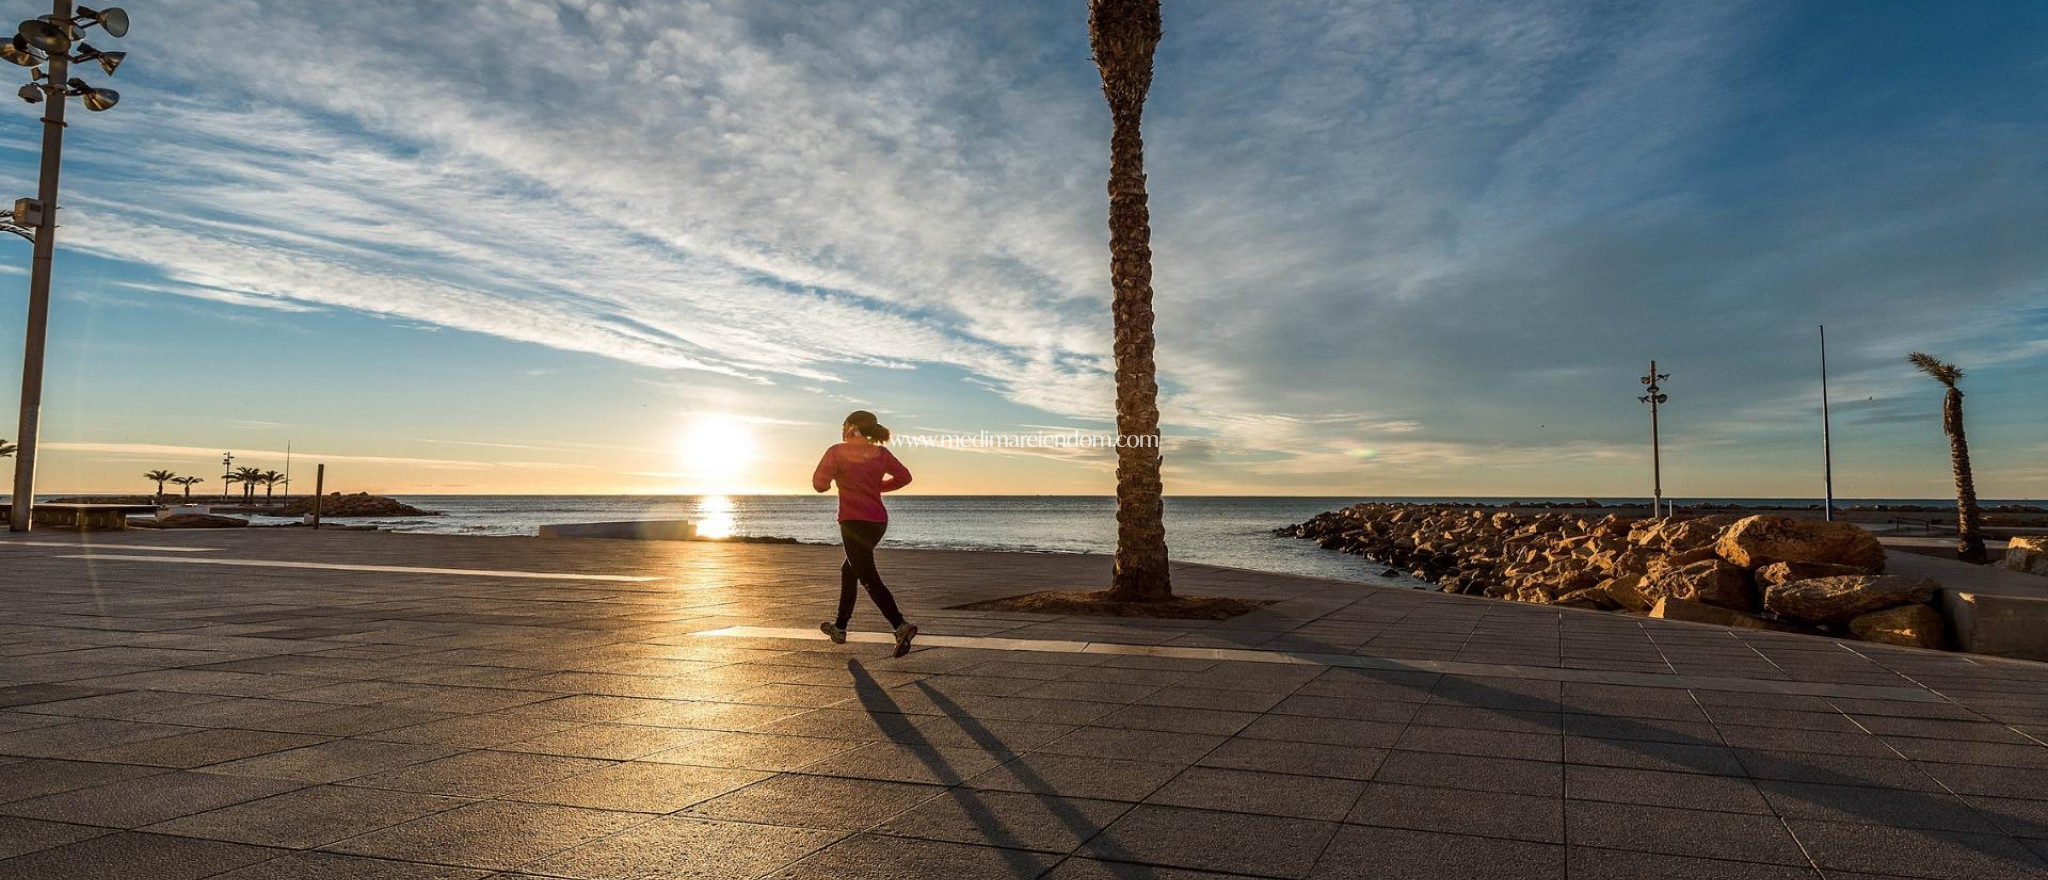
[(639, 530), (2001, 626)]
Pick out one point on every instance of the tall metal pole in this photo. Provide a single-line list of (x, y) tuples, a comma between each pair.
[(39, 287), (1656, 452), (1655, 397), (1827, 442)]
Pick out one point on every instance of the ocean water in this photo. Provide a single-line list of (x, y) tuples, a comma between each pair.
[(1232, 531)]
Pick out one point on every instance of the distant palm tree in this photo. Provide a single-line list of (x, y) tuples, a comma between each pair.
[(270, 480), (248, 477), (6, 449), (188, 483), (159, 477), (1969, 517), (1124, 34)]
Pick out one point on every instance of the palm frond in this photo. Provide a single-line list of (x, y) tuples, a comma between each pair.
[(1945, 373)]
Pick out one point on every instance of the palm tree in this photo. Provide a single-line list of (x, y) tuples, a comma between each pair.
[(188, 483), (1969, 518), (270, 480), (159, 477), (248, 477), (1123, 34), (6, 449)]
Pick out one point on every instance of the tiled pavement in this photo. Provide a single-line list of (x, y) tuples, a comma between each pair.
[(172, 720)]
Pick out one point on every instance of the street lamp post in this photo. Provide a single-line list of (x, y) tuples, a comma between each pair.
[(1654, 398), (49, 40), (227, 476)]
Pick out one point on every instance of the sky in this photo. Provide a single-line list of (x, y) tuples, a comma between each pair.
[(1401, 248)]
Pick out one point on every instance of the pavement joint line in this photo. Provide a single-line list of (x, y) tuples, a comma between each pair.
[(77, 545), (388, 569), (1349, 661)]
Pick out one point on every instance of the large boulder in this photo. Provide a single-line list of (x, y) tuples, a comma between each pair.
[(1784, 572), (1838, 599), (1711, 581), (1627, 591), (1756, 541), (1914, 626), (2027, 553), (1700, 612)]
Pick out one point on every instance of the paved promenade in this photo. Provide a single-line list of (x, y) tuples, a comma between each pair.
[(320, 706)]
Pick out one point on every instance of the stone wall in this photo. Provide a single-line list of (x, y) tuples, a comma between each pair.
[(1766, 572)]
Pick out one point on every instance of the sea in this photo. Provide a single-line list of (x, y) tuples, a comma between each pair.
[(1229, 531)]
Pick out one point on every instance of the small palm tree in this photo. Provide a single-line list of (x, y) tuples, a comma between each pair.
[(6, 449), (1969, 518), (159, 477), (270, 480), (188, 483), (248, 477), (1123, 34)]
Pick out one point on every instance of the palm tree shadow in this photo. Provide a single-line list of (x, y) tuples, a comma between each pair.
[(1842, 793), (875, 699)]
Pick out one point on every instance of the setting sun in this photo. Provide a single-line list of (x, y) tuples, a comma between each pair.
[(715, 453)]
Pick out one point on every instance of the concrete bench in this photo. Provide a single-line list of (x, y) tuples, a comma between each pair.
[(86, 517), (639, 530)]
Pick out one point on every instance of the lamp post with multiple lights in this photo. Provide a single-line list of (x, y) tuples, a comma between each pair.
[(58, 41), (1655, 398)]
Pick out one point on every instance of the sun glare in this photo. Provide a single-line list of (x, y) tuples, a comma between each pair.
[(715, 452)]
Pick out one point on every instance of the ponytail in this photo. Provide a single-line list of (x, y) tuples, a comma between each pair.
[(864, 422)]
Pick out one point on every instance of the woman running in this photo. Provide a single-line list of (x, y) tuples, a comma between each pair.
[(864, 469)]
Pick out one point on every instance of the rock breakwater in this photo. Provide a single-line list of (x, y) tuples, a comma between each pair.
[(1763, 572)]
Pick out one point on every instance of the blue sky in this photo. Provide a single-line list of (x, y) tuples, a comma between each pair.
[(1401, 248)]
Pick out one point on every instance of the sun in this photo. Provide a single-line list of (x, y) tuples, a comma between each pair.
[(716, 451)]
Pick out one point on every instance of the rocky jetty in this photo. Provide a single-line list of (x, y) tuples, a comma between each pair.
[(360, 504), (1763, 572), (189, 521)]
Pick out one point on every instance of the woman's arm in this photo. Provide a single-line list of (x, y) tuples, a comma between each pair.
[(821, 479), (894, 475)]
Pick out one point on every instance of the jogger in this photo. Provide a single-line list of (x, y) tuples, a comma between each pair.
[(863, 469)]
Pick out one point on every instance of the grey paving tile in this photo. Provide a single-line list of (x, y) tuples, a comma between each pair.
[(1269, 794), (1899, 808), (309, 817), (826, 802), (481, 774), (333, 761), (1301, 759), (1076, 777), (1712, 760), (1006, 819), (330, 866), (490, 834), (1461, 811), (1473, 772), (1133, 745), (900, 762), (1270, 846), (1360, 852), (755, 751), (898, 858), (1656, 788), (639, 786), (1092, 869), (1697, 833), (19, 836), (84, 735), (686, 847), (1944, 855), (131, 803), (133, 856), (32, 778), (1330, 731), (199, 748), (1589, 863)]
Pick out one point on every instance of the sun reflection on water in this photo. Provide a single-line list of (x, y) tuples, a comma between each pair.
[(714, 517)]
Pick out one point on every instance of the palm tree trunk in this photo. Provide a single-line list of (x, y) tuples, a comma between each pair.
[(1124, 34), (1969, 518)]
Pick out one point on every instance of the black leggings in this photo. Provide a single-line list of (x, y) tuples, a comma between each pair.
[(860, 538)]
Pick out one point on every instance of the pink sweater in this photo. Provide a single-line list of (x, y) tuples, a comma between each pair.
[(862, 479)]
